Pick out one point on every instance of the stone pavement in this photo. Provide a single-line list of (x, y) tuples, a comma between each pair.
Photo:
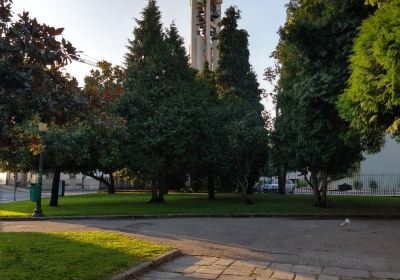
[(202, 267)]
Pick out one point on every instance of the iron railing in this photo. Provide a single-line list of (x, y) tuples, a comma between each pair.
[(373, 184)]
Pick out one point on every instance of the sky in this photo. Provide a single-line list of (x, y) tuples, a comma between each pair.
[(101, 29)]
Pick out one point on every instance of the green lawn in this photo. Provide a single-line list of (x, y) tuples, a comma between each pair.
[(83, 256), (137, 204)]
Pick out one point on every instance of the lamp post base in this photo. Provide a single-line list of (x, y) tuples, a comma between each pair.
[(37, 212)]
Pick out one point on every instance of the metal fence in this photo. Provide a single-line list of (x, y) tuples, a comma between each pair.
[(379, 184)]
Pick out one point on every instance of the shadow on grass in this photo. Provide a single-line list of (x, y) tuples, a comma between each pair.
[(83, 256)]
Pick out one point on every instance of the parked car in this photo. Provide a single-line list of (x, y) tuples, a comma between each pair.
[(273, 186), (345, 187)]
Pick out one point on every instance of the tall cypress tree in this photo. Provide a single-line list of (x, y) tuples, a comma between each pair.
[(245, 140), (235, 75), (160, 102)]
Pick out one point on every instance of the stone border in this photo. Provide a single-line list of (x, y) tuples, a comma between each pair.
[(178, 216), (144, 267)]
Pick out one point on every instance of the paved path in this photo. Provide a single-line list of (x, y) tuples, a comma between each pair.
[(200, 267), (298, 247)]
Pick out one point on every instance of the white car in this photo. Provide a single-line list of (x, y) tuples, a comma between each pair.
[(273, 186)]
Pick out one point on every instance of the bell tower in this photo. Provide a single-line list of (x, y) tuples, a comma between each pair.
[(206, 16)]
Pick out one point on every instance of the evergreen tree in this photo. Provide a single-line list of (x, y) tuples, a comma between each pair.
[(313, 54), (234, 74), (161, 102), (245, 139)]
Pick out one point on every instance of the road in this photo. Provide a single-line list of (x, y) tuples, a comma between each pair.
[(371, 245), (7, 194)]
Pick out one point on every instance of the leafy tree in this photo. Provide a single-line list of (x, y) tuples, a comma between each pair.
[(235, 75), (160, 102), (31, 57), (209, 149), (32, 85), (371, 102), (313, 54), (105, 129), (245, 138)]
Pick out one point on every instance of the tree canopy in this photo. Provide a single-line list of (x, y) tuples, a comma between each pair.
[(372, 100), (313, 73)]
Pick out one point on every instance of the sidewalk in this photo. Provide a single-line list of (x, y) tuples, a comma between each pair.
[(22, 194), (205, 267)]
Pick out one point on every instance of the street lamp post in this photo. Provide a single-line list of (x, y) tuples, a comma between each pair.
[(38, 210)]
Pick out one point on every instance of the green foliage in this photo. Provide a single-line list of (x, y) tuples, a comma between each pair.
[(235, 75), (33, 86), (31, 82), (358, 185), (373, 185), (313, 54), (376, 2), (245, 138), (162, 102), (372, 100)]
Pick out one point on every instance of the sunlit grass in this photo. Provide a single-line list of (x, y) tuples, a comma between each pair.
[(83, 255), (178, 203), (4, 213)]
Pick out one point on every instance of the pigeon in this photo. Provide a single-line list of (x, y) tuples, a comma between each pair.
[(345, 223)]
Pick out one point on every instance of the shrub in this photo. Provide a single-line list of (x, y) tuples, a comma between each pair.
[(373, 185), (302, 184), (358, 185)]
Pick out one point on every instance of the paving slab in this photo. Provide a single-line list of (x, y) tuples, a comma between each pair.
[(235, 277), (208, 261), (266, 273), (225, 261), (300, 276), (283, 275), (197, 275), (214, 269), (239, 270)]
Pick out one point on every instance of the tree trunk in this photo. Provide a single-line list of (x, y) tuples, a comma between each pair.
[(54, 188), (211, 188), (315, 186), (161, 189), (111, 186), (244, 186), (154, 193), (282, 179), (324, 188)]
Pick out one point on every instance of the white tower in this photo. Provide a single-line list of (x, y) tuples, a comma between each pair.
[(206, 16)]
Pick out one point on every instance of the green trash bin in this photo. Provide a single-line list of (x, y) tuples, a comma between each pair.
[(35, 192), (61, 188)]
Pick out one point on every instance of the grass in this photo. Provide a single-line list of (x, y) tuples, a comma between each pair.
[(83, 255), (137, 204)]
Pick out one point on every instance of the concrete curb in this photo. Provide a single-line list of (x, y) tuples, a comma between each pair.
[(181, 216), (144, 267)]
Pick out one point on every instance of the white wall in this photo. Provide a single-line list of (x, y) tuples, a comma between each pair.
[(386, 161)]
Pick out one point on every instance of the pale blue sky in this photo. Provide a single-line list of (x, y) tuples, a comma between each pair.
[(101, 28)]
